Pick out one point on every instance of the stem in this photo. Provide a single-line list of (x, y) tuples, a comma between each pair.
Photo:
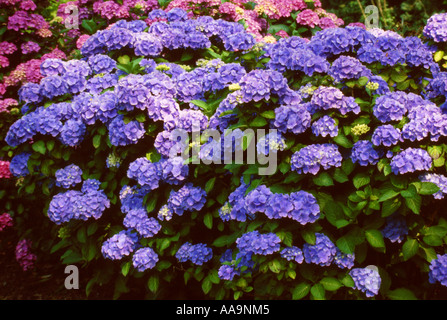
[(361, 9)]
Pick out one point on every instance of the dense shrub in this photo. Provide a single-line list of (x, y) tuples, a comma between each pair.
[(353, 209)]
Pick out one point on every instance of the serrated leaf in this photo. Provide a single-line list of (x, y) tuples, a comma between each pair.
[(375, 239), (410, 248), (401, 294), (389, 194), (300, 291), (153, 283), (414, 203), (208, 220), (360, 180), (318, 292), (331, 284), (323, 180), (258, 122), (269, 114), (346, 245), (39, 146)]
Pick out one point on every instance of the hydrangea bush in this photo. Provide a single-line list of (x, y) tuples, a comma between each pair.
[(351, 210)]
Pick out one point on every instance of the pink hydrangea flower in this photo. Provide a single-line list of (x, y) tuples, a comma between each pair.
[(28, 5), (24, 256), (4, 62), (5, 173), (7, 48), (308, 18), (5, 218), (81, 40), (29, 47), (5, 106)]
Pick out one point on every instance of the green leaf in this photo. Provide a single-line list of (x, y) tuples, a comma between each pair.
[(398, 76), (410, 248), (210, 185), (340, 176), (343, 141), (206, 285), (317, 291), (300, 291), (82, 235), (153, 283), (414, 203), (126, 268), (309, 237), (201, 104), (208, 220), (375, 239), (360, 180), (428, 188), (323, 180), (390, 206), (258, 122), (331, 284), (269, 114), (389, 194), (39, 146), (438, 55), (401, 294), (346, 245), (96, 141), (363, 81)]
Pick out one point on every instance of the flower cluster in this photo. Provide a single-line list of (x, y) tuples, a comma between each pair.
[(322, 252), (5, 221), (438, 270), (24, 256), (198, 253), (366, 280), (395, 228), (310, 159), (411, 160), (436, 28)]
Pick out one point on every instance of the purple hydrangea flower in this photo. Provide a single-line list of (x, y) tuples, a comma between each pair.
[(438, 270), (305, 207), (311, 158), (174, 170), (227, 272), (438, 179), (145, 172), (68, 176), (436, 27), (346, 67), (293, 253), (322, 252), (187, 198), (119, 245), (258, 199), (295, 119), (395, 228), (386, 135), (411, 160), (144, 258), (19, 164), (364, 154), (198, 254), (325, 126), (390, 107), (256, 243), (344, 260), (366, 280)]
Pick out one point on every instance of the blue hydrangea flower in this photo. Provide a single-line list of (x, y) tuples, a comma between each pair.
[(72, 132), (386, 135), (63, 206), (278, 206), (411, 160), (144, 259), (123, 134), (325, 126), (68, 176), (311, 158), (30, 93), (295, 119), (364, 154), (325, 98), (119, 245), (147, 45), (52, 67), (19, 164), (174, 170), (198, 254), (438, 270), (271, 142), (75, 82), (165, 213), (258, 199), (322, 252), (145, 172), (436, 27), (366, 280), (293, 253), (395, 228), (239, 41), (137, 219), (346, 68), (256, 243), (344, 260), (187, 198), (227, 272), (390, 107), (305, 207), (53, 86), (132, 198)]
